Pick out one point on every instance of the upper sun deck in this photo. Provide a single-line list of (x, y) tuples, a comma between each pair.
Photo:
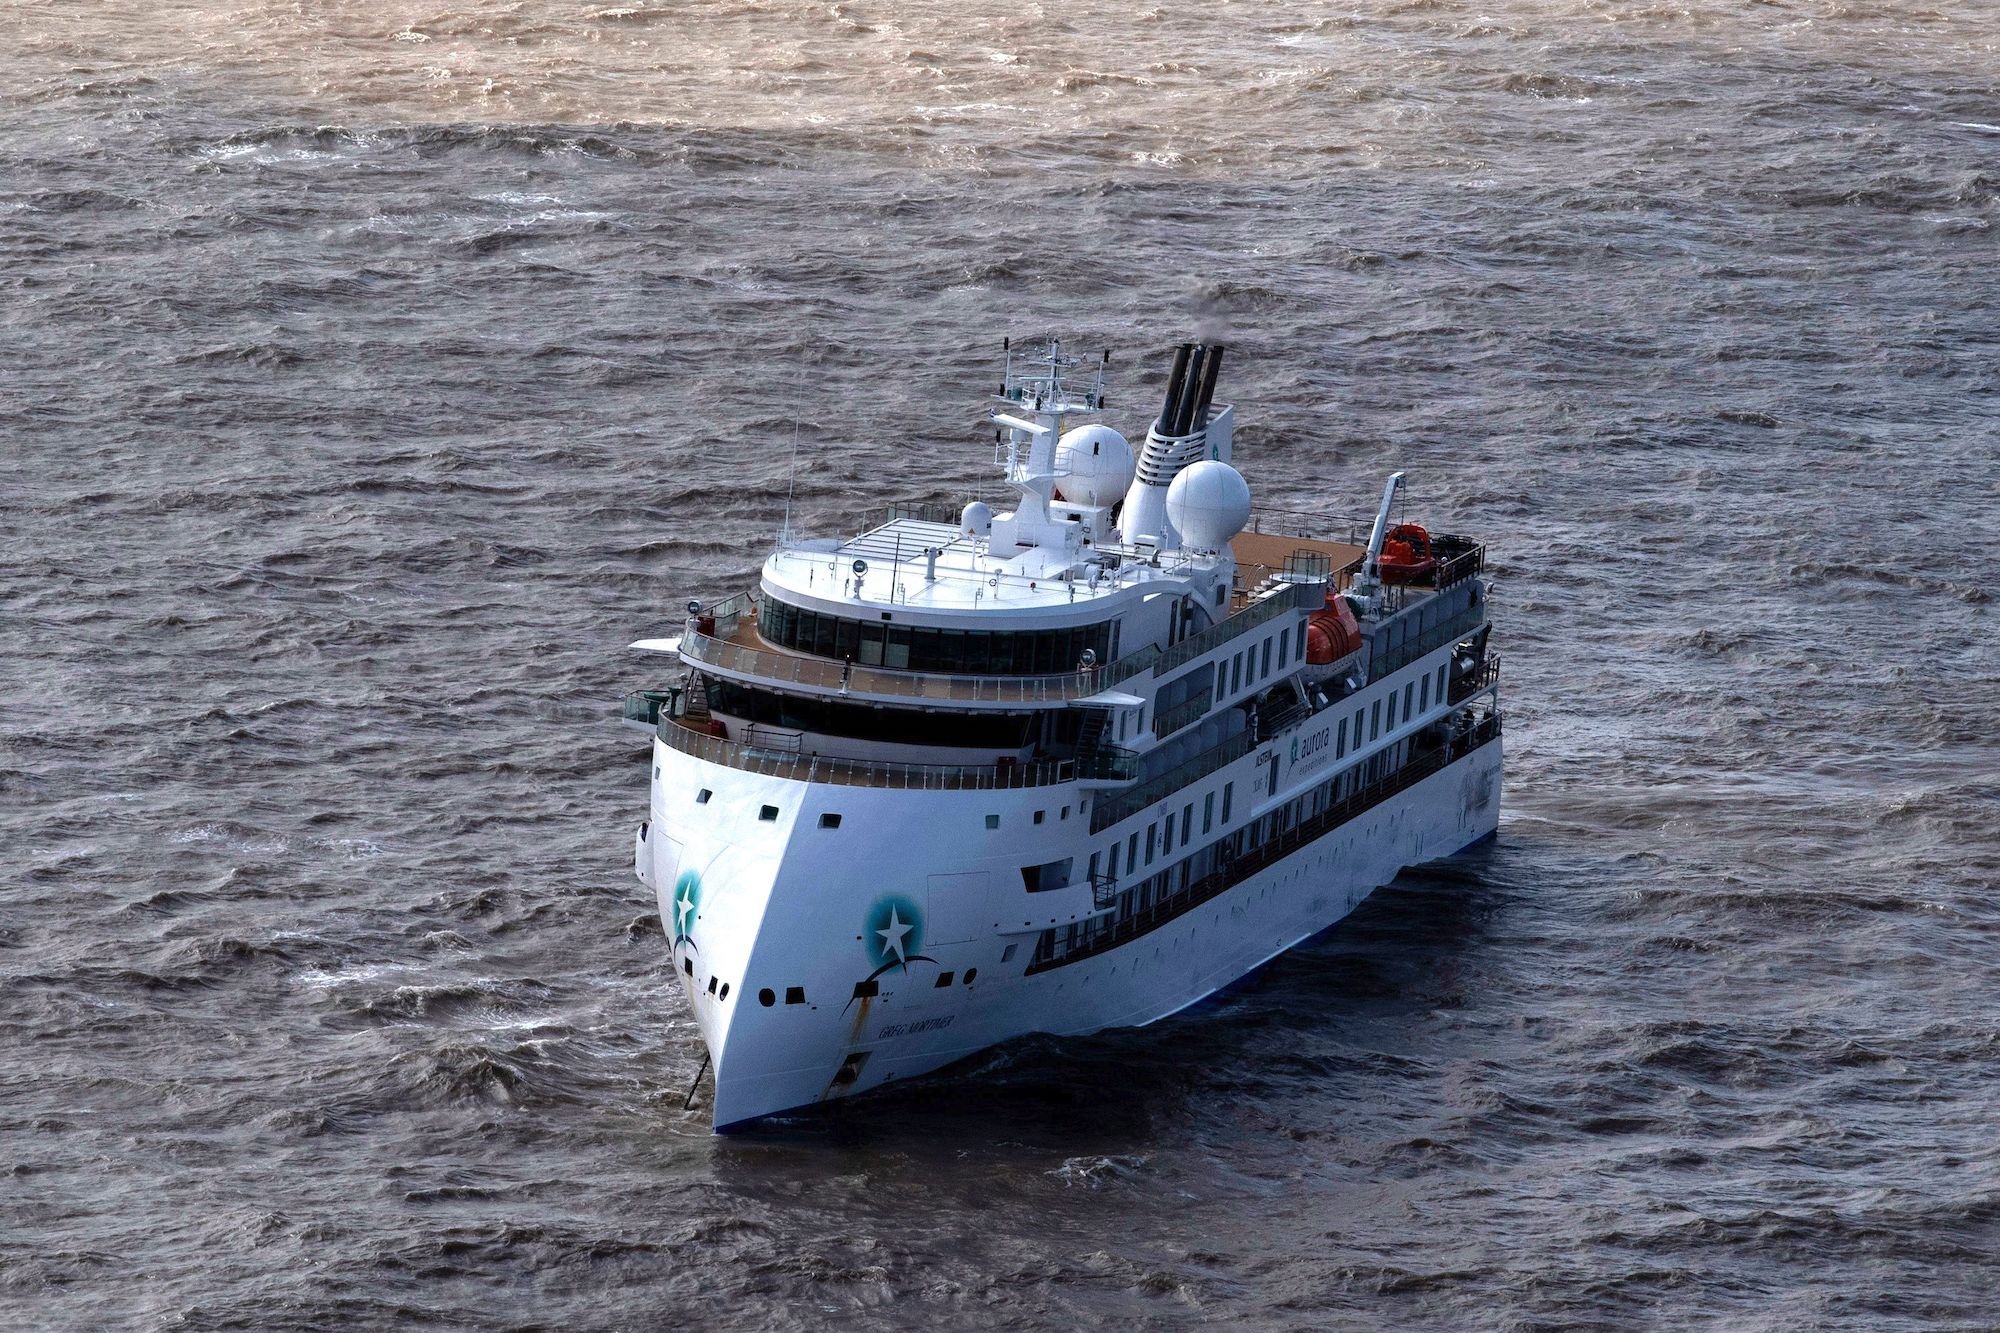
[(918, 564)]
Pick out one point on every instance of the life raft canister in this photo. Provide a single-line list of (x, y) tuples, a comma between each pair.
[(1331, 633), (1406, 554)]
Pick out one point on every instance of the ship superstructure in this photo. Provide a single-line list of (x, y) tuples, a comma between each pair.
[(1070, 761)]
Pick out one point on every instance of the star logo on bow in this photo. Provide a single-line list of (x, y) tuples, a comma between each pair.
[(684, 909), (893, 935)]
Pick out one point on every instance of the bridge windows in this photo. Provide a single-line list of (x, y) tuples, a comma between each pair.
[(930, 648)]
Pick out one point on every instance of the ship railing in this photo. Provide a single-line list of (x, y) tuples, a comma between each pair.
[(1458, 559), (1481, 677), (1287, 597), (1233, 869), (704, 649), (1312, 527), (1105, 765), (1395, 659), (1110, 809), (1167, 723)]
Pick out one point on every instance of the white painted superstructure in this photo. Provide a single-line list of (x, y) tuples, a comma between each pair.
[(1069, 761)]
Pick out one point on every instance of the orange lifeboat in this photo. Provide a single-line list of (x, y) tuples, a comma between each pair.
[(1406, 554), (1332, 633)]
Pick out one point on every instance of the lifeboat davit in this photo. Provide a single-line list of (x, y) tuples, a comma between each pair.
[(1332, 632), (1406, 554)]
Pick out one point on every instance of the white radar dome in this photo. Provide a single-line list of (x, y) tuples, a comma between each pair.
[(1099, 463), (977, 520), (1208, 503)]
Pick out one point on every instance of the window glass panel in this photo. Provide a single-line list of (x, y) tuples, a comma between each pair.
[(1265, 670)]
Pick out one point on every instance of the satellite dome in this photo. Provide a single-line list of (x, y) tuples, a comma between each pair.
[(977, 520), (1208, 503), (1099, 465)]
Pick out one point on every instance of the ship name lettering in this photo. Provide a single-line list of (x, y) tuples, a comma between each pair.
[(1313, 744), (912, 1029)]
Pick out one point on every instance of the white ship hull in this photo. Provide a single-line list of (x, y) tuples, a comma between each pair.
[(783, 903)]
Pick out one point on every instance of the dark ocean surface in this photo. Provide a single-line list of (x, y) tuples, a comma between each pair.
[(372, 374)]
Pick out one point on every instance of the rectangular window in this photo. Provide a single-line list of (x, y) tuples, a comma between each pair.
[(1221, 679), (1207, 813), (1236, 673), (768, 813), (1409, 693), (1284, 643), (1424, 696), (1228, 791), (1132, 854), (1375, 720), (1266, 669), (1340, 745), (1168, 840), (1111, 868), (829, 821), (1300, 650), (1092, 872), (1038, 815), (1441, 671), (1187, 822), (1152, 833), (1357, 728), (992, 821)]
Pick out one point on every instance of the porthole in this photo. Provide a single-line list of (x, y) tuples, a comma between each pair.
[(767, 997), (992, 821), (768, 814), (970, 973), (725, 990), (829, 821), (701, 797)]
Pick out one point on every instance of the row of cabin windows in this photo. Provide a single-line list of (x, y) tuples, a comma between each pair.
[(927, 648), (1413, 703), (1160, 835), (1255, 663), (1162, 887)]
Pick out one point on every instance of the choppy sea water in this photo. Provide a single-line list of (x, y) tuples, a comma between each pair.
[(370, 375)]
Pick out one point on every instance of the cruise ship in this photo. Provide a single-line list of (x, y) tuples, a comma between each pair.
[(1070, 760)]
